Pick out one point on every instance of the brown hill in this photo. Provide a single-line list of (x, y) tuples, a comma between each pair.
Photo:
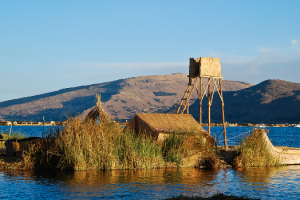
[(272, 101), (122, 99)]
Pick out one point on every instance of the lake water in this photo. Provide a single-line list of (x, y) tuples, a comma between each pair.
[(265, 183), (28, 131), (279, 136)]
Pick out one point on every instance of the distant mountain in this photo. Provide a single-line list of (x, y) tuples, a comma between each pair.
[(272, 101), (122, 99)]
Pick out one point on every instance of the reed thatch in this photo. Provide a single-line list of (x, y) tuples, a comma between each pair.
[(284, 155), (98, 111), (154, 123), (205, 66)]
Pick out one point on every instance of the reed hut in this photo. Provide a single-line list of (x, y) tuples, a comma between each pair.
[(15, 147), (160, 125), (98, 112)]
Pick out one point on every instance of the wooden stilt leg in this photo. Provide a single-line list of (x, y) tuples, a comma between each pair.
[(200, 103), (187, 107), (208, 105), (188, 100), (223, 115)]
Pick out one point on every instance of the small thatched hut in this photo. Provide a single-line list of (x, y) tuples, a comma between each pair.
[(16, 147), (96, 112), (160, 126)]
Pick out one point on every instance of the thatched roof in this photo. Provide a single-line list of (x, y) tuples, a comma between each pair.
[(155, 123), (98, 111)]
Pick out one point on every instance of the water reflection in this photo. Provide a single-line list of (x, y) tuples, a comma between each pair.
[(272, 182), (270, 174), (280, 182)]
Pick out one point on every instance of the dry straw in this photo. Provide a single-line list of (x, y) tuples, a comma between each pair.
[(256, 152), (103, 144), (99, 112)]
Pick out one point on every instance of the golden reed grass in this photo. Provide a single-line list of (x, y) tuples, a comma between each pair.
[(254, 152), (90, 145)]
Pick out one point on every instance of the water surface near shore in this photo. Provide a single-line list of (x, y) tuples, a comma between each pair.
[(28, 131), (279, 136), (265, 183)]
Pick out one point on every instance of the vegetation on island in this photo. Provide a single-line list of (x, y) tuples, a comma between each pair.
[(83, 145), (254, 152), (100, 143)]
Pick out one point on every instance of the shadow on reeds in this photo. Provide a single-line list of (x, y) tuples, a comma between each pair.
[(5, 135), (179, 146)]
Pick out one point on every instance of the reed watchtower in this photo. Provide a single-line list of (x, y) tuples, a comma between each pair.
[(204, 68)]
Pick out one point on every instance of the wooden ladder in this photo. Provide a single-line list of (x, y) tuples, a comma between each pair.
[(187, 95)]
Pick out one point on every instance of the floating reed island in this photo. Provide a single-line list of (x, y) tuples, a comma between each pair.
[(97, 142), (148, 141)]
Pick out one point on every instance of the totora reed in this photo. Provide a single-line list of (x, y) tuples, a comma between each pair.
[(100, 143)]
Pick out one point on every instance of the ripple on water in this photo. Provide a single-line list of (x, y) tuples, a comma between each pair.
[(265, 183), (280, 136), (272, 182)]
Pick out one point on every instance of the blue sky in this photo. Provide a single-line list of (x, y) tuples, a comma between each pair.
[(50, 45)]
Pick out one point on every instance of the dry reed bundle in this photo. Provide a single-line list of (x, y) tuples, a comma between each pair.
[(98, 111), (88, 144), (256, 152)]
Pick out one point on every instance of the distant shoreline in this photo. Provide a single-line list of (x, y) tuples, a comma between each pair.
[(251, 125), (22, 123), (53, 123)]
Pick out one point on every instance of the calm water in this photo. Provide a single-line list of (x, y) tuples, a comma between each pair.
[(264, 183), (29, 131), (285, 136)]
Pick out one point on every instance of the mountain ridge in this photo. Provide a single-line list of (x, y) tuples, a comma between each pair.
[(122, 98), (271, 101)]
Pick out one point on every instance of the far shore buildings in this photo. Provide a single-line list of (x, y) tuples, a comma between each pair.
[(22, 123), (6, 123)]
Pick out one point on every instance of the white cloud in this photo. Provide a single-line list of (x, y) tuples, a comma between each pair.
[(295, 41), (281, 64), (127, 66), (268, 63)]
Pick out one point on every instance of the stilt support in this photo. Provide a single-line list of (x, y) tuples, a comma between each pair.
[(210, 68)]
